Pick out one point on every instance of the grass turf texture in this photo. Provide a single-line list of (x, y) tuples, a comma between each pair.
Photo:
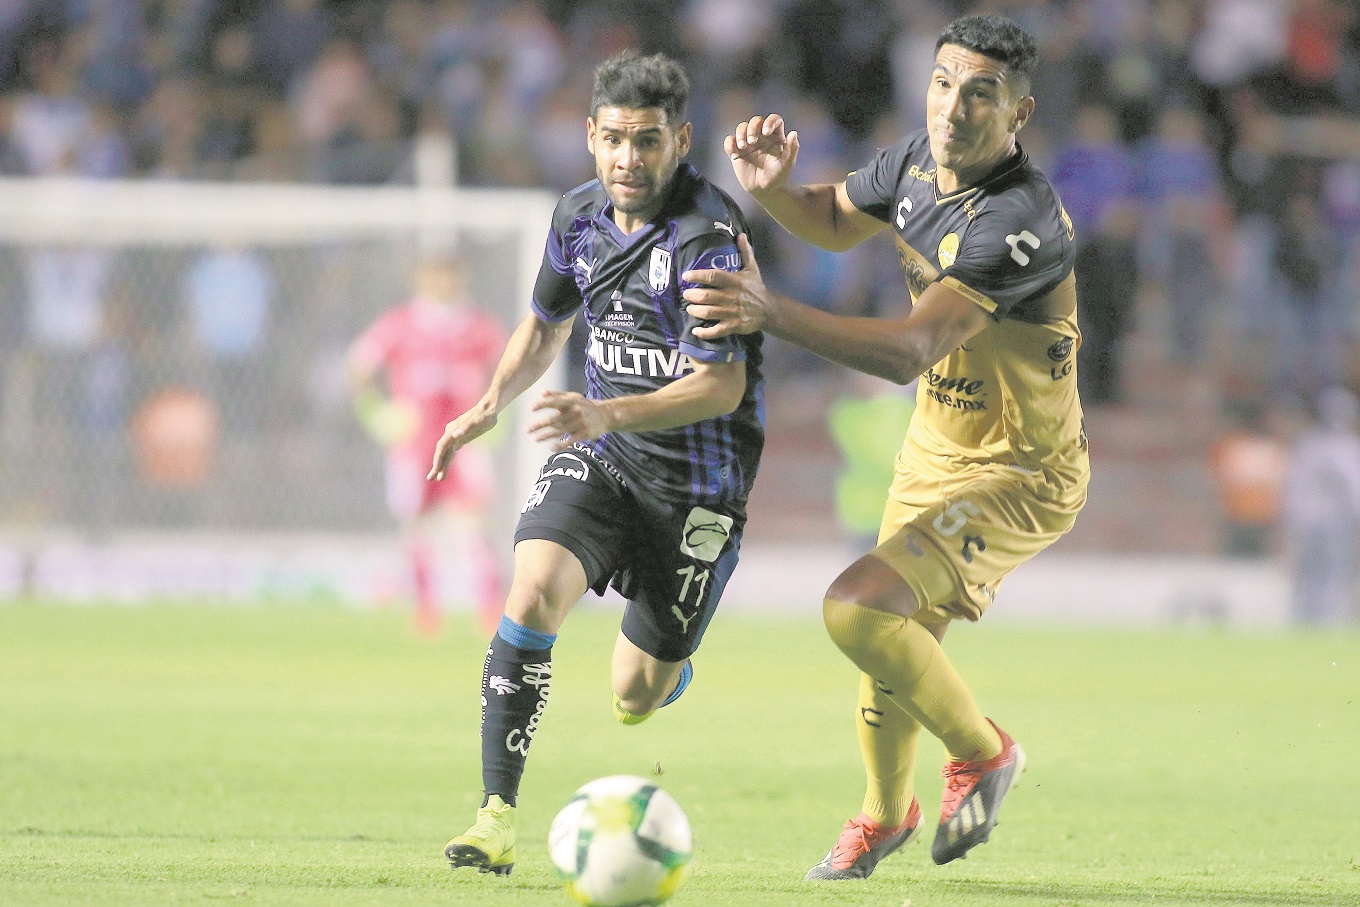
[(198, 755)]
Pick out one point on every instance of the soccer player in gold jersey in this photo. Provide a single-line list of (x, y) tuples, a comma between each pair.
[(994, 466)]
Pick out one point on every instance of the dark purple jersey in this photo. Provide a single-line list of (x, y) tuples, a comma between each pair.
[(642, 337)]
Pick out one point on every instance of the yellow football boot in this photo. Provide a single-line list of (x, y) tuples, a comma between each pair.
[(489, 844)]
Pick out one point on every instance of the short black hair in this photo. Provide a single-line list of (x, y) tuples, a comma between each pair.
[(629, 79), (996, 37)]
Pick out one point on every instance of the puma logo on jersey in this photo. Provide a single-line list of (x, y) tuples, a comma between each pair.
[(726, 228), (587, 268)]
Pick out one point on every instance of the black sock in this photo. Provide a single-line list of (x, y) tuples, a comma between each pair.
[(515, 682)]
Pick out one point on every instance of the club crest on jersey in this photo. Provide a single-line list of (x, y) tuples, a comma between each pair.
[(705, 535), (948, 250), (659, 274)]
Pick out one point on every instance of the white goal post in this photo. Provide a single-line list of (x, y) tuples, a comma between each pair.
[(96, 317)]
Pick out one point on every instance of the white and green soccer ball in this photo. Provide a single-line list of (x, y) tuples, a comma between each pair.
[(621, 842)]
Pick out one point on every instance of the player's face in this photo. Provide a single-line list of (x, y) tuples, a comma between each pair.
[(440, 281), (636, 156), (973, 110)]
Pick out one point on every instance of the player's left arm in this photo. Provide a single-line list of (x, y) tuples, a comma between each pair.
[(712, 389)]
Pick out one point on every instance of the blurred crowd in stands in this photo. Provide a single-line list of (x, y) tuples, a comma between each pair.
[(1206, 149)]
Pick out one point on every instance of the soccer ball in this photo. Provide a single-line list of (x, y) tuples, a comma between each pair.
[(621, 842)]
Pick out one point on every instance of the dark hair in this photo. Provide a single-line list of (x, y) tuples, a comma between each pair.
[(629, 79), (996, 37)]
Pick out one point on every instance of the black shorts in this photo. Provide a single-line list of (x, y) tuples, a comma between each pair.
[(671, 562)]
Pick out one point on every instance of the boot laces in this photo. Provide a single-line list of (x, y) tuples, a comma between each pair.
[(854, 841), (492, 821), (959, 779)]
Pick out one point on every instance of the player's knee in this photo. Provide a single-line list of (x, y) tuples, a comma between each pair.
[(641, 693), (535, 604), (867, 601), (638, 698), (633, 710), (871, 583), (839, 619), (857, 629)]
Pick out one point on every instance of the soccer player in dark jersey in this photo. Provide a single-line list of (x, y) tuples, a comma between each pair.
[(646, 490), (994, 466)]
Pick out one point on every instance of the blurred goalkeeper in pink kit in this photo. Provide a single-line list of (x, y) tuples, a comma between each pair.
[(411, 372)]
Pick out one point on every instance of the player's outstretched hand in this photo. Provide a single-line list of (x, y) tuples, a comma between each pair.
[(762, 153), (567, 418), (735, 302), (470, 426)]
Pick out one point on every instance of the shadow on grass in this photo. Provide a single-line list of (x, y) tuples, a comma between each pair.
[(1156, 892)]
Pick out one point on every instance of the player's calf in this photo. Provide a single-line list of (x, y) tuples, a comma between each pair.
[(623, 716)]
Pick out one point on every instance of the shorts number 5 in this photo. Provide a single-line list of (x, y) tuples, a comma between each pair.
[(954, 517)]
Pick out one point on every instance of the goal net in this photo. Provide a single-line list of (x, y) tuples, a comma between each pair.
[(172, 369)]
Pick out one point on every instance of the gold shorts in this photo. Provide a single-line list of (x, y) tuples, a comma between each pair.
[(953, 540)]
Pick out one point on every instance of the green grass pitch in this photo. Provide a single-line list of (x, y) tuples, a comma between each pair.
[(313, 756)]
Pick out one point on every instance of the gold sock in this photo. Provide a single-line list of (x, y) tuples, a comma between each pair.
[(887, 744), (907, 660)]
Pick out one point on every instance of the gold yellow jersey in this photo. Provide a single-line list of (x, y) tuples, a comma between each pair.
[(1009, 395)]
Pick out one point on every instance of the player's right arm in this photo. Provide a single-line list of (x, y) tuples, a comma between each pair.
[(763, 156), (532, 348), (535, 343)]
